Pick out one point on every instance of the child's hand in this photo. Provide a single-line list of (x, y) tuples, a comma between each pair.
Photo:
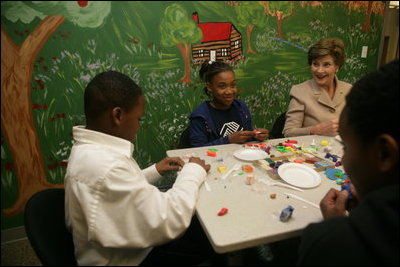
[(261, 134), (334, 204), (240, 137), (169, 164), (352, 203), (201, 162)]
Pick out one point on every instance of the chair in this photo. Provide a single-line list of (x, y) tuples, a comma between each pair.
[(45, 227), (184, 140), (277, 127)]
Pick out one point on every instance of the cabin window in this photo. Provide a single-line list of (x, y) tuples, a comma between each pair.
[(237, 44), (201, 53), (224, 52)]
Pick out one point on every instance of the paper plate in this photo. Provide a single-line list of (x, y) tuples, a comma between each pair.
[(299, 175), (250, 154)]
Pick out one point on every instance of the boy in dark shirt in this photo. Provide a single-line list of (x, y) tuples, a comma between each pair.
[(369, 235)]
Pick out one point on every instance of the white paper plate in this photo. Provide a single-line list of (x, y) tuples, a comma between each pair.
[(250, 154), (299, 175)]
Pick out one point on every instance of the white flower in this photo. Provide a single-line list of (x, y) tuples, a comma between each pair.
[(85, 78), (93, 66)]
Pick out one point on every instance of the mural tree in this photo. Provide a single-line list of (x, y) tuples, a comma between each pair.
[(17, 61), (250, 15), (280, 10), (178, 28), (369, 7), (311, 3)]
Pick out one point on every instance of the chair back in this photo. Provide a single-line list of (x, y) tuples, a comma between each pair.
[(184, 140), (46, 230), (278, 126)]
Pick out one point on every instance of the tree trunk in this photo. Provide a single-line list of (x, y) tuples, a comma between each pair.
[(249, 31), (17, 123), (279, 16), (366, 26), (185, 48)]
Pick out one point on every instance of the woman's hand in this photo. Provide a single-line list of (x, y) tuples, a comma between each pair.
[(330, 127)]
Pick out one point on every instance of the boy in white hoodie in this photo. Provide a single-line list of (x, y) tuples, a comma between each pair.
[(115, 214)]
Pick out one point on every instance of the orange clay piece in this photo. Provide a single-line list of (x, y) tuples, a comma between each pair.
[(346, 181), (273, 196), (211, 153), (247, 168)]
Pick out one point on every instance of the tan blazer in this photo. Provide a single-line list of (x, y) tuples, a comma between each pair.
[(309, 105)]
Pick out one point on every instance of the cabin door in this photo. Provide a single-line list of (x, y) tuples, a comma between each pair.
[(213, 55)]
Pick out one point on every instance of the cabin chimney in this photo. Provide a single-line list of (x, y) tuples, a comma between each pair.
[(195, 17)]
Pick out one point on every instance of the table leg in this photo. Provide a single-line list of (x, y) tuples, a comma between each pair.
[(234, 258)]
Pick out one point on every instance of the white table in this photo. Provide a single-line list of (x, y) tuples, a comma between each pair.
[(253, 217)]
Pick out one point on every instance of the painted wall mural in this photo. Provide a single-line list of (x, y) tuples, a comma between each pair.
[(51, 50)]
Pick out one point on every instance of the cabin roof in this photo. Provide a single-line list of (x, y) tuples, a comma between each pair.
[(215, 31)]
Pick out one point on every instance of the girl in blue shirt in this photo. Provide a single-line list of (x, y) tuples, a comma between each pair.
[(223, 119)]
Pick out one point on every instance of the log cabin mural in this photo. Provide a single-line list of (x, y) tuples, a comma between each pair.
[(221, 41)]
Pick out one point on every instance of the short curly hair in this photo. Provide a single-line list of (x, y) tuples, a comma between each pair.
[(328, 47), (107, 90), (375, 98)]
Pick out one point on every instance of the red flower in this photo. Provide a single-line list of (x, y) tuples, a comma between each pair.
[(82, 3), (63, 163), (9, 166), (52, 166)]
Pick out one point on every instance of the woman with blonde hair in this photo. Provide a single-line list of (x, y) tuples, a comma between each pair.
[(315, 105)]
